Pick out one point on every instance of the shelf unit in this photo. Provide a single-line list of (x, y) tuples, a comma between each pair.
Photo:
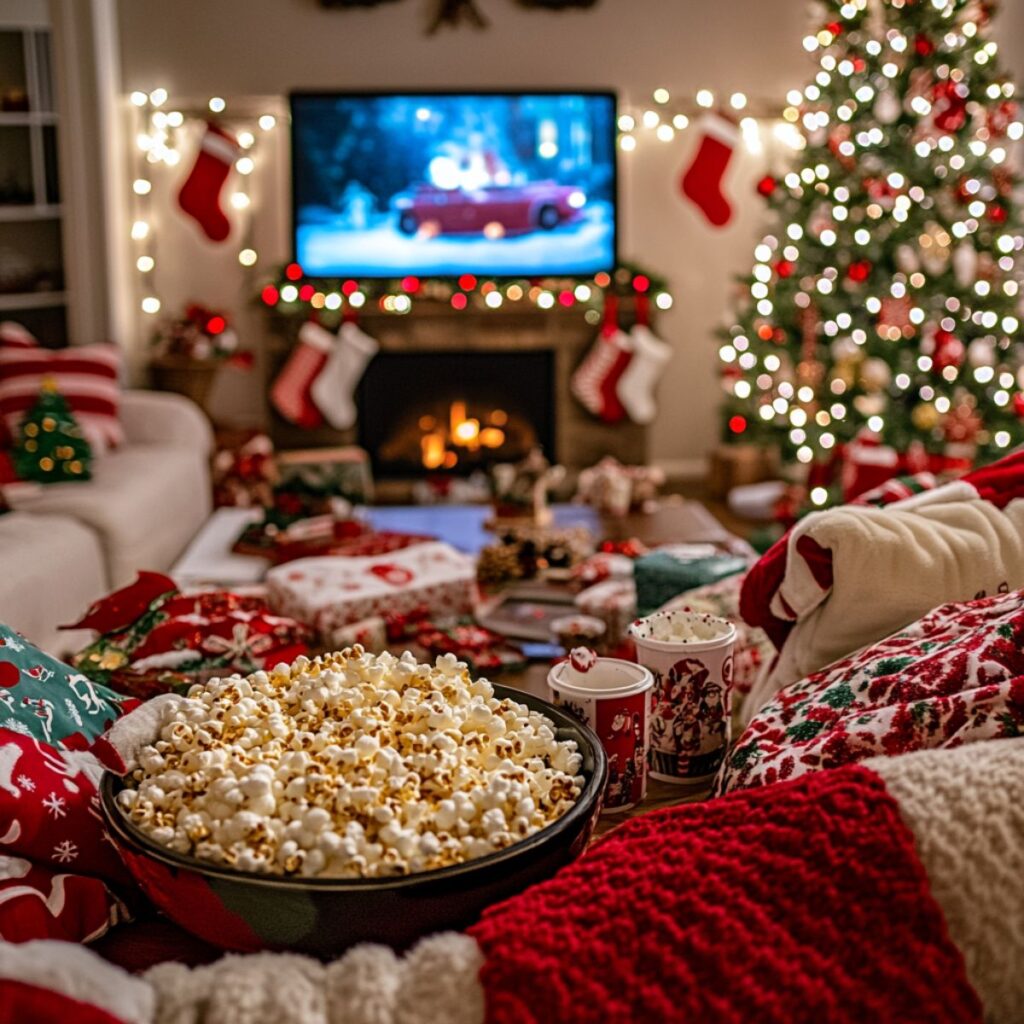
[(32, 287)]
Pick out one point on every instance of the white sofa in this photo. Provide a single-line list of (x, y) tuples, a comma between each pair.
[(65, 545)]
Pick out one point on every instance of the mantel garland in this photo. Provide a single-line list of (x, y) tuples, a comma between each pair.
[(292, 293)]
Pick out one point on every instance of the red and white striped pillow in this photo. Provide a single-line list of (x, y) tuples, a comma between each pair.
[(87, 376), (15, 335)]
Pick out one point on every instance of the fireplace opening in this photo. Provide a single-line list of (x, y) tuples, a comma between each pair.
[(454, 412)]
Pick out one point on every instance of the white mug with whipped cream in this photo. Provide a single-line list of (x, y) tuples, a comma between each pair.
[(690, 656)]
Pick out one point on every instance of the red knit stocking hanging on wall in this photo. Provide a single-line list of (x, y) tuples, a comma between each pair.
[(702, 180), (200, 195)]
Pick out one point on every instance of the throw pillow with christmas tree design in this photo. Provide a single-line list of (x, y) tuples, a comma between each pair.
[(51, 446)]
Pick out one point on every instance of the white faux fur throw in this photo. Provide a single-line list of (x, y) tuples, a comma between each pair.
[(889, 566)]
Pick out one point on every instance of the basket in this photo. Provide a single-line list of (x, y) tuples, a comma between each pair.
[(185, 376)]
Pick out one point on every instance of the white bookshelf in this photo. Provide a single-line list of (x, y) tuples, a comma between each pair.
[(31, 211)]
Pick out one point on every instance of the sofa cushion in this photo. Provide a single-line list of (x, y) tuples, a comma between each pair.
[(144, 502), (86, 375), (58, 865), (43, 698), (53, 567)]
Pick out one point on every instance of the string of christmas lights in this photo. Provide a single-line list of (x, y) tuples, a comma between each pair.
[(666, 118), (159, 134), (292, 294)]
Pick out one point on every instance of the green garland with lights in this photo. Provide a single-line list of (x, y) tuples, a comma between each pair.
[(293, 293), (885, 296)]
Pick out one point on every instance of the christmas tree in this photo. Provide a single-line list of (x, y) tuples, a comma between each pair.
[(883, 301), (51, 448)]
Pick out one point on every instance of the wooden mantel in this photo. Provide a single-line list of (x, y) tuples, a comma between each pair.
[(581, 439)]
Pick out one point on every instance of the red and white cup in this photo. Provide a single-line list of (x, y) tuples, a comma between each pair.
[(690, 656), (613, 697)]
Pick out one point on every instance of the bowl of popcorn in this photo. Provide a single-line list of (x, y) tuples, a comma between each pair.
[(349, 798)]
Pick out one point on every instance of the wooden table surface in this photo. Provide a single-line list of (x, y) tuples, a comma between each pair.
[(674, 520)]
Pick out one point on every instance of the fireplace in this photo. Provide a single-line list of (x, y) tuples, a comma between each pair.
[(455, 411)]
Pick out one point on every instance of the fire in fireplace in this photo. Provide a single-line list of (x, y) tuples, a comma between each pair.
[(454, 412)]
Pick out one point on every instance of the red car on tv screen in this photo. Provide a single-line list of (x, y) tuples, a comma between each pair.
[(493, 211)]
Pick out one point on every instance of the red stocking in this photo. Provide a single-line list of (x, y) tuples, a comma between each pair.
[(200, 195), (290, 393), (702, 181), (596, 381)]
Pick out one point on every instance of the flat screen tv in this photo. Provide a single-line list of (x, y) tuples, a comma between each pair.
[(437, 184)]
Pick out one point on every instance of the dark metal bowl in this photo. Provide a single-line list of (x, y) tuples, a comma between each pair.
[(246, 911)]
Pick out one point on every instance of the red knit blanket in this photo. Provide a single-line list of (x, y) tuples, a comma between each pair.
[(805, 901)]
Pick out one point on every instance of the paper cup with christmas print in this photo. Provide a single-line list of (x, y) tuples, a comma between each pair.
[(690, 656), (613, 697)]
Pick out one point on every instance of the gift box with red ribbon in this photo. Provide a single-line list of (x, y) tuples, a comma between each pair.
[(330, 593), (152, 638)]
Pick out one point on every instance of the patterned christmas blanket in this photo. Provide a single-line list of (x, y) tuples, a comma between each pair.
[(956, 676), (849, 576), (887, 891)]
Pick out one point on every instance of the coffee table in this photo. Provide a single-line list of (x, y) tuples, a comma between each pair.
[(209, 561)]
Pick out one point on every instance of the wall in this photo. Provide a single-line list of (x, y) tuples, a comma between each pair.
[(239, 49)]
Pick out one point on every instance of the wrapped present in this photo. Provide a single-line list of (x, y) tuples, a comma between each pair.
[(482, 649), (334, 592), (600, 567), (154, 638), (672, 570), (243, 470), (614, 602), (282, 540), (616, 489), (314, 475), (371, 634)]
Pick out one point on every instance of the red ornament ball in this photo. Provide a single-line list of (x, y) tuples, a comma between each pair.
[(949, 350), (216, 325), (306, 292), (784, 268), (859, 270), (293, 271), (997, 213), (949, 106), (270, 295), (767, 186), (737, 424), (923, 46), (641, 283)]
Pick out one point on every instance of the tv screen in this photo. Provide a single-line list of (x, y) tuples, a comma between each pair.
[(438, 184)]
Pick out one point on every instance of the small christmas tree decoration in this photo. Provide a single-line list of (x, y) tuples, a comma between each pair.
[(51, 446)]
